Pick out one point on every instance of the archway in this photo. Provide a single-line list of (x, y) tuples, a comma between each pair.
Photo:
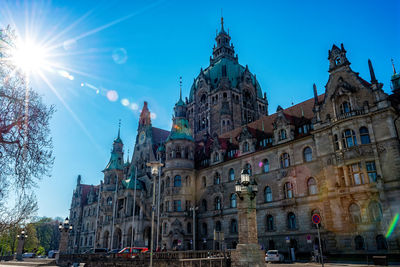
[(117, 239)]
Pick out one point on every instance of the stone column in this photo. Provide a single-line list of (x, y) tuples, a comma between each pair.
[(62, 249), (21, 241), (248, 252)]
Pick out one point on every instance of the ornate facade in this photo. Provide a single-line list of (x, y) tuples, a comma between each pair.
[(336, 154)]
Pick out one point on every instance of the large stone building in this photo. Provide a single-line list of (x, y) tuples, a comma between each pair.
[(336, 154)]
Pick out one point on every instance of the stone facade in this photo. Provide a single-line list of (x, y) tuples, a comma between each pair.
[(336, 154)]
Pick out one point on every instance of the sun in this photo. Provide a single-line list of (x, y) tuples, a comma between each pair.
[(29, 56)]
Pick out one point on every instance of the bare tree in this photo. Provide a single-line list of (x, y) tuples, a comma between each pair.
[(25, 142)]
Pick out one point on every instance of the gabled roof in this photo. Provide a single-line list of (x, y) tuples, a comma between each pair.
[(295, 114), (159, 135)]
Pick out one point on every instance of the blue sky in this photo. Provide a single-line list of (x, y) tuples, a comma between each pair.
[(140, 48)]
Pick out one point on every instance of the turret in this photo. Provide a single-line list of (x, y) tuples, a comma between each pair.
[(117, 155), (224, 47), (395, 80)]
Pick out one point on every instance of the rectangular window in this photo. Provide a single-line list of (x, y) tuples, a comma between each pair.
[(371, 170), (358, 176), (177, 205), (167, 206)]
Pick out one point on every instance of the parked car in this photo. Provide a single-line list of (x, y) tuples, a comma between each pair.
[(28, 255), (96, 251), (52, 253), (131, 252), (273, 256), (113, 251)]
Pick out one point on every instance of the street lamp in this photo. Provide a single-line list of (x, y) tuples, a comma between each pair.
[(64, 228), (248, 249), (155, 165), (21, 241), (193, 209)]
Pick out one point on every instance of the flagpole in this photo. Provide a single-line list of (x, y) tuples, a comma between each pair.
[(113, 215), (158, 206)]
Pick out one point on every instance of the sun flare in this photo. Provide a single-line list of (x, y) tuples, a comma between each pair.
[(29, 56)]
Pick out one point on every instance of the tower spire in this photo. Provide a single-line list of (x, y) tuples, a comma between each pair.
[(119, 128), (180, 87), (371, 72), (394, 69), (222, 21), (315, 94)]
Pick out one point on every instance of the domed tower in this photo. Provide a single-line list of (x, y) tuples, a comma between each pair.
[(225, 95), (177, 184)]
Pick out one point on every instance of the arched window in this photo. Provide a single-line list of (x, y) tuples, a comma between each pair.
[(291, 221), (231, 174), (204, 229), (217, 203), (167, 184), (285, 160), (109, 201), (288, 189), (178, 153), (282, 135), (375, 211), (265, 165), (381, 243), (364, 135), (344, 107), (204, 204), (187, 181), (312, 186), (245, 147), (189, 228), (233, 227), (270, 223), (218, 226), (177, 181), (248, 168), (307, 154), (349, 138), (204, 181), (233, 200), (267, 194), (355, 213), (217, 178), (359, 242)]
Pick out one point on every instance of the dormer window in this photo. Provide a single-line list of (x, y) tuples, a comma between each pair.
[(282, 135), (344, 107), (338, 61), (216, 157)]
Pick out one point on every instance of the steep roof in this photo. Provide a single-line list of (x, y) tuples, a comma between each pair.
[(159, 135), (294, 114)]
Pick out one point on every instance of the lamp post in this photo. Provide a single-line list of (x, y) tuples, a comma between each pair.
[(155, 168), (21, 241), (193, 209), (248, 251), (64, 228)]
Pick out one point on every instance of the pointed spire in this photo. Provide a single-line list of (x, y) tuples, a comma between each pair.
[(119, 128), (145, 116), (371, 72), (222, 22), (180, 88), (394, 69), (315, 94), (127, 159)]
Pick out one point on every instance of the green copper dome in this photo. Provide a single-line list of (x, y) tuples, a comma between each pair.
[(234, 73), (180, 130)]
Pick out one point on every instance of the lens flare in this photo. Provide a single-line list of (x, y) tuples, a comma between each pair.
[(112, 95), (134, 106), (120, 56), (260, 164), (392, 225), (153, 115), (125, 102)]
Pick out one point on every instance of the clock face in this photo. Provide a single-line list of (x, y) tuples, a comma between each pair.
[(142, 137)]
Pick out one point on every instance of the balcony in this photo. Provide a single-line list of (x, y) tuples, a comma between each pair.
[(349, 114)]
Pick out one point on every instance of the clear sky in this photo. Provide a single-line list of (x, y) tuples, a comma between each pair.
[(136, 51)]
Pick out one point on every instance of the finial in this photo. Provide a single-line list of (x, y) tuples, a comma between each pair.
[(371, 72), (180, 88), (119, 127), (127, 160), (394, 70), (222, 21), (315, 94)]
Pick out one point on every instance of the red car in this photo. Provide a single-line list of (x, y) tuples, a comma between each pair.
[(131, 252)]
